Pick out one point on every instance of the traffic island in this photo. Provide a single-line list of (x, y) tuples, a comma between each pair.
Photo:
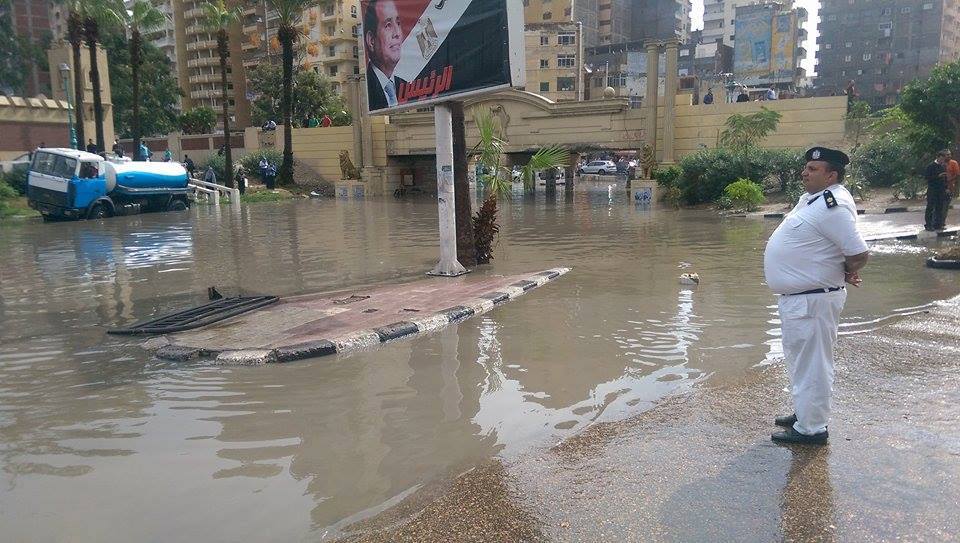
[(314, 325)]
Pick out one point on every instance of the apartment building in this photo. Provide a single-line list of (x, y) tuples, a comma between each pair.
[(883, 45), (768, 45), (31, 21), (198, 63), (553, 56)]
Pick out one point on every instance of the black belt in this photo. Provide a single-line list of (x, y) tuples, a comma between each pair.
[(816, 291)]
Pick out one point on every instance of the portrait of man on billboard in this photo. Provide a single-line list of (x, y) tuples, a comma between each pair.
[(420, 52)]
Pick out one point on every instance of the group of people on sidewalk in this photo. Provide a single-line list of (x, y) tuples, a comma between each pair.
[(941, 176)]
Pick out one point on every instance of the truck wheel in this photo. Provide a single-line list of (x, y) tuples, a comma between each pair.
[(99, 211), (177, 205)]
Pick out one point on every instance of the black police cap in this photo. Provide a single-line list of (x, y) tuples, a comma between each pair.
[(828, 155)]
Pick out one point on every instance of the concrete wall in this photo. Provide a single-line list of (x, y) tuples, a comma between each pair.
[(320, 148), (26, 122), (806, 122)]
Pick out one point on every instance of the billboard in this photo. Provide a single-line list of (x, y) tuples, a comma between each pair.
[(751, 49), (784, 43), (421, 52)]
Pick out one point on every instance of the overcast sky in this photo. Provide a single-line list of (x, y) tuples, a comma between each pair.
[(812, 7)]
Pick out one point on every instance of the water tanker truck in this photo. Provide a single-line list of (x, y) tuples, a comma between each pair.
[(71, 184)]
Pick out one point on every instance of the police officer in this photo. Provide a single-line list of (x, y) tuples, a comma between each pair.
[(807, 260)]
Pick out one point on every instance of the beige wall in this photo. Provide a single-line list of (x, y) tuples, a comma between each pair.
[(61, 53), (25, 122), (320, 148)]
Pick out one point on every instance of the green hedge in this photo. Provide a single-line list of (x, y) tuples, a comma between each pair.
[(885, 160)]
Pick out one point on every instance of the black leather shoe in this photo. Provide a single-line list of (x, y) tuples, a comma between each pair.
[(792, 436), (786, 420)]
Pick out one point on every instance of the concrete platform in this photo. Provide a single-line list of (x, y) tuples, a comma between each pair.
[(314, 325)]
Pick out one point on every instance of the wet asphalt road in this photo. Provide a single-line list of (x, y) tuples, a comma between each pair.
[(700, 466)]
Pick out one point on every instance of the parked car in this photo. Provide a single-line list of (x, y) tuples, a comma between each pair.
[(600, 167)]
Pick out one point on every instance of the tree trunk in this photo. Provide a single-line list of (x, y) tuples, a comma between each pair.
[(92, 34), (466, 246), (75, 36), (222, 46), (287, 36), (135, 63)]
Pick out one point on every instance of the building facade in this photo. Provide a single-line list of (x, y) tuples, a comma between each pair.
[(881, 46), (768, 46), (31, 21), (553, 59), (332, 41), (198, 63)]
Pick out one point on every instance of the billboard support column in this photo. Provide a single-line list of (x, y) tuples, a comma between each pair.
[(669, 100), (448, 266)]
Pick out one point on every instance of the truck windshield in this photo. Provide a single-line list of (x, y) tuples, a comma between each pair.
[(54, 165)]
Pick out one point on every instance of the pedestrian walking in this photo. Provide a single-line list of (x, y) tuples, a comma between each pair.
[(188, 164), (144, 152), (91, 147), (809, 257), (117, 148), (270, 176), (210, 176), (953, 175), (936, 176)]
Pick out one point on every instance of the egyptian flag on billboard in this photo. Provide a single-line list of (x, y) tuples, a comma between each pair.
[(427, 51)]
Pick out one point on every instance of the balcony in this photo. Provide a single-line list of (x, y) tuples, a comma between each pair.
[(203, 61), (194, 13), (204, 78), (201, 45)]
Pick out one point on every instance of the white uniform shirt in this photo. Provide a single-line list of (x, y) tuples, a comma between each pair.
[(807, 250)]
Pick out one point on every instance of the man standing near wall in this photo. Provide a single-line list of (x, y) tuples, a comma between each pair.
[(807, 260), (936, 176)]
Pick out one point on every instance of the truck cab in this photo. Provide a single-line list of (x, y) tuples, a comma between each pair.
[(72, 184)]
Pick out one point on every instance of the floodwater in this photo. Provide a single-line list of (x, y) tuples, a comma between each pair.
[(100, 442)]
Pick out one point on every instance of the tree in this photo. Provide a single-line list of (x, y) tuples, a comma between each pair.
[(17, 54), (745, 131), (75, 37), (143, 17), (159, 91), (935, 102), (313, 96), (217, 17), (199, 120), (496, 178), (857, 116), (91, 32), (288, 15)]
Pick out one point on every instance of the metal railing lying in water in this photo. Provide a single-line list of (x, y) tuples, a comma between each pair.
[(214, 191)]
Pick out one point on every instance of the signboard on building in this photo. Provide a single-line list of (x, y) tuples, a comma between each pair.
[(751, 50), (421, 52)]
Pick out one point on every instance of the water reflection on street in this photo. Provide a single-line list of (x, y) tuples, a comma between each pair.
[(100, 442)]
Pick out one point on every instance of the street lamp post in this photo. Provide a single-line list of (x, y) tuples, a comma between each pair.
[(65, 76)]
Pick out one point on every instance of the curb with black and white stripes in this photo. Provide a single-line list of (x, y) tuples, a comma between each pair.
[(361, 339)]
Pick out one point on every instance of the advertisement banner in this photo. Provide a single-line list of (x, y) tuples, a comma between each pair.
[(420, 52), (751, 50)]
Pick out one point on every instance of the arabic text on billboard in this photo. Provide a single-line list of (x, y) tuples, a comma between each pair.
[(425, 51)]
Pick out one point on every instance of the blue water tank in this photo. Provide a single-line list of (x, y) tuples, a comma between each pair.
[(145, 175)]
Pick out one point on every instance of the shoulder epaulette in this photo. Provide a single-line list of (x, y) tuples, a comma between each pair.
[(829, 199)]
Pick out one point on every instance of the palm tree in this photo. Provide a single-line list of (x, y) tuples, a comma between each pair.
[(218, 17), (288, 15), (91, 31), (75, 37), (144, 17), (497, 178)]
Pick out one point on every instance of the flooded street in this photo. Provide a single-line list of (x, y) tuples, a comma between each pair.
[(101, 442)]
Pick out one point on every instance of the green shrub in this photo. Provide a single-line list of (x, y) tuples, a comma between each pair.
[(17, 180), (724, 203), (6, 191), (251, 162), (709, 171), (786, 165), (667, 177), (744, 194), (671, 196), (885, 160), (910, 188)]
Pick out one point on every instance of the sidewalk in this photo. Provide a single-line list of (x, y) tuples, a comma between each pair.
[(701, 467)]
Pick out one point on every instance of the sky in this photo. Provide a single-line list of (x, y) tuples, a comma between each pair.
[(812, 7)]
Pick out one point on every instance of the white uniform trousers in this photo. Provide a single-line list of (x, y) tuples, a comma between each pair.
[(809, 332)]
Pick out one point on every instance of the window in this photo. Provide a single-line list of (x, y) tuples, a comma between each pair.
[(847, 58), (356, 51), (356, 69), (566, 61), (544, 63), (566, 38), (886, 11), (828, 46), (353, 11), (332, 51), (886, 29), (332, 70), (859, 72), (905, 9), (867, 56), (565, 84), (848, 44), (544, 40), (355, 31), (831, 17), (544, 86), (928, 6)]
